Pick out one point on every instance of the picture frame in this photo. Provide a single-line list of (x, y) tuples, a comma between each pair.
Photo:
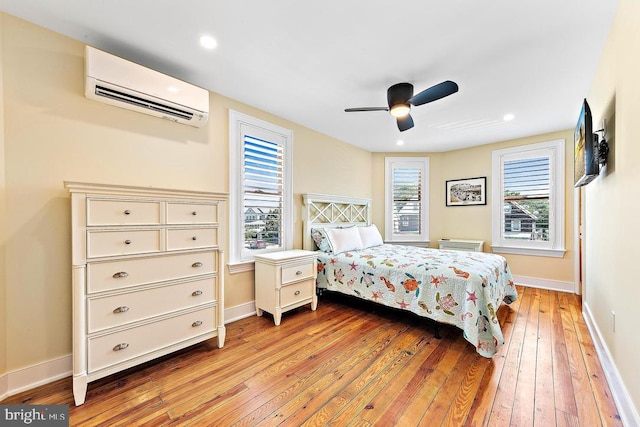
[(466, 191)]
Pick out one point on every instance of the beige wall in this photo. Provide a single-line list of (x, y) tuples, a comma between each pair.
[(474, 222), (52, 133), (612, 201), (3, 235)]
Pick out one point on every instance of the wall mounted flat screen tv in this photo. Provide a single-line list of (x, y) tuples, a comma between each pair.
[(585, 161)]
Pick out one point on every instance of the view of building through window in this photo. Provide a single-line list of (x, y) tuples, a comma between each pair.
[(526, 199), (407, 196)]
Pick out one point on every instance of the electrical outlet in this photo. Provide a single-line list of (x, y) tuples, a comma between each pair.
[(613, 321)]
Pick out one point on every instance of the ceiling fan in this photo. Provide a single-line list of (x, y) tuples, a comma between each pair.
[(400, 98)]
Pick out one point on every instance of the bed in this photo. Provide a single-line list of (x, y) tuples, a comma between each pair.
[(464, 289)]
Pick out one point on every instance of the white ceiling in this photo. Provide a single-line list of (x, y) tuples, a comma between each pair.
[(308, 61)]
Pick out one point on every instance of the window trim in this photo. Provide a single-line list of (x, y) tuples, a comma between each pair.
[(389, 164), (555, 247), (239, 262)]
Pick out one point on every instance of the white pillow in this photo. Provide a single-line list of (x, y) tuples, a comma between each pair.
[(343, 239), (370, 236)]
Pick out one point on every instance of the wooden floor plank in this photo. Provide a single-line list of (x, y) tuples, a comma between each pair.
[(355, 364)]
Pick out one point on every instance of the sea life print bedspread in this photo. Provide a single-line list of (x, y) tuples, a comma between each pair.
[(460, 288)]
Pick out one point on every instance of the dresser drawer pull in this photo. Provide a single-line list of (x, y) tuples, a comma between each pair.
[(299, 272), (120, 274), (196, 323), (196, 264), (297, 293), (127, 242), (196, 293), (127, 212), (122, 309), (194, 238), (120, 346), (194, 213)]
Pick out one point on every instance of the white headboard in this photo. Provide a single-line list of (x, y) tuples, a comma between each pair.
[(322, 210)]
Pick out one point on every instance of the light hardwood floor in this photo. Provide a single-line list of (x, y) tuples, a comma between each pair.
[(354, 364)]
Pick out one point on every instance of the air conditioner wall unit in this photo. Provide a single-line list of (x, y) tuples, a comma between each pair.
[(124, 84)]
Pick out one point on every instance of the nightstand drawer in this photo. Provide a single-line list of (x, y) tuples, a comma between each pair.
[(112, 243), (297, 272), (116, 310), (118, 347), (297, 292), (191, 213), (122, 212), (191, 238)]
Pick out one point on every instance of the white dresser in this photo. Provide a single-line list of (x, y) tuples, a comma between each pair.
[(147, 275)]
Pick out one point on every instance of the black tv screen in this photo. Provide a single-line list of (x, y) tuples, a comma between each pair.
[(585, 162)]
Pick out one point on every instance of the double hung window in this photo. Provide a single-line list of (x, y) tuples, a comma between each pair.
[(528, 199)]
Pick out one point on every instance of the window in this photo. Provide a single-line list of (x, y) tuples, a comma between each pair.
[(260, 189), (406, 199), (528, 199)]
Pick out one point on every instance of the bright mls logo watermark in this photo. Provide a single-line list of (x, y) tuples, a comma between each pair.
[(34, 415)]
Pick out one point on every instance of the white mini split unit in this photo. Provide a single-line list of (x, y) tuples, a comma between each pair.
[(118, 82)]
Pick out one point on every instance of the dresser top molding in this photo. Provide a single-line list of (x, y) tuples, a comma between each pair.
[(129, 190)]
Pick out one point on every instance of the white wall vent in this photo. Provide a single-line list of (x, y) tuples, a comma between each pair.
[(122, 83)]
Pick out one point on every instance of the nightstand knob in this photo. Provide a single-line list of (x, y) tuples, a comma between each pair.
[(298, 273), (196, 264), (120, 274), (196, 293), (122, 309), (194, 213), (127, 242), (297, 293), (121, 346), (196, 323), (127, 212), (194, 238)]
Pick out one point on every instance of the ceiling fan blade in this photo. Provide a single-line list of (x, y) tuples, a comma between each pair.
[(352, 110), (434, 93), (405, 123)]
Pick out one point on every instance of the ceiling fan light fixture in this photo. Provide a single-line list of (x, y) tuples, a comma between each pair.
[(400, 110)]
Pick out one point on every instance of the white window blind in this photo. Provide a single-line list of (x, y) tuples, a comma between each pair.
[(406, 199), (527, 199), (263, 187)]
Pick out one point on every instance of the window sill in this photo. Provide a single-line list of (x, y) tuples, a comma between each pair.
[(551, 253), (241, 267)]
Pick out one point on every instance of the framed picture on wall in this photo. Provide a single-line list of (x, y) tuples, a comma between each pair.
[(466, 192)]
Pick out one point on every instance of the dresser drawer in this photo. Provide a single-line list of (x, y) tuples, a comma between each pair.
[(118, 347), (104, 276), (122, 212), (117, 310), (191, 213), (127, 242), (295, 293), (191, 238), (297, 272)]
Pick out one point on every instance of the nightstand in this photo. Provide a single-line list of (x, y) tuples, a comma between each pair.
[(284, 281)]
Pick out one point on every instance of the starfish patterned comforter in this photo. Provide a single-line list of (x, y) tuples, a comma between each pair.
[(459, 288)]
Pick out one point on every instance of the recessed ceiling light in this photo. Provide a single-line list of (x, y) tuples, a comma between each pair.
[(208, 42), (508, 117), (400, 142)]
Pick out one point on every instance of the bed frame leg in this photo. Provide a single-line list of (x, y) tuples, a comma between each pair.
[(436, 331)]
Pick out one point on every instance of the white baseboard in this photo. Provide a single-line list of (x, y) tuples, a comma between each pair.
[(624, 403), (238, 312), (24, 379), (552, 285), (4, 387)]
